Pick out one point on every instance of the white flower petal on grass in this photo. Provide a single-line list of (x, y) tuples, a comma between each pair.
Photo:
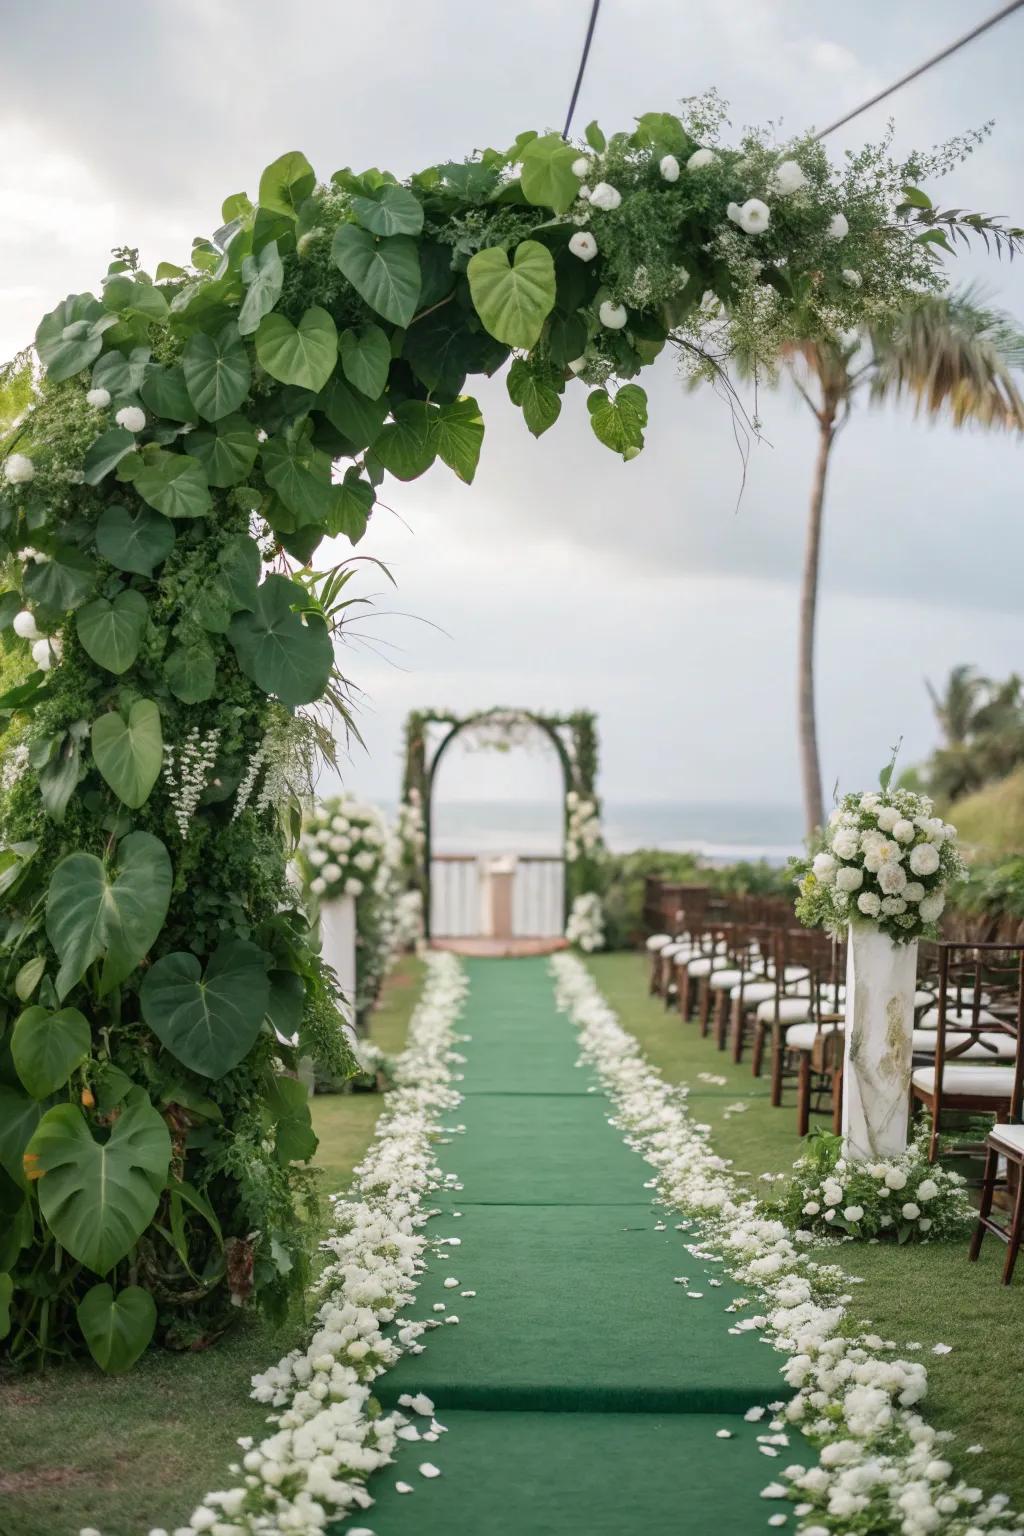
[(451, 1284), (427, 1469), (723, 1434), (403, 1488), (942, 1349)]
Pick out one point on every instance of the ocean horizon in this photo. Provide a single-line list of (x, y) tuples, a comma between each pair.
[(717, 831)]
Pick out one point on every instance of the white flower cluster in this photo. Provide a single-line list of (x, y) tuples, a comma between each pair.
[(15, 763), (585, 927), (880, 1467), (278, 759), (186, 773), (411, 826), (583, 826), (408, 919), (906, 1197), (887, 859), (344, 846), (329, 1437)]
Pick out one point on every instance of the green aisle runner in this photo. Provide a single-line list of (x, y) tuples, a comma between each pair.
[(582, 1389)]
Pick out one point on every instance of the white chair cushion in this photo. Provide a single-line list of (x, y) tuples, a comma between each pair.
[(704, 965), (659, 940), (994, 1046), (976, 1082), (1009, 1136), (792, 1010), (723, 981), (755, 991), (795, 973), (801, 1037), (922, 999), (963, 1016)]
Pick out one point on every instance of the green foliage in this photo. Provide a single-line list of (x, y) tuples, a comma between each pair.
[(93, 913), (513, 299), (129, 753), (116, 1328), (208, 1020)]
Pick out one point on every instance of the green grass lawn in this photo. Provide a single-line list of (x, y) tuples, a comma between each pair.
[(127, 1453), (927, 1294)]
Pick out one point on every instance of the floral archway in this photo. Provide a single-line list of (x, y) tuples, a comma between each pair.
[(574, 739), (193, 436)]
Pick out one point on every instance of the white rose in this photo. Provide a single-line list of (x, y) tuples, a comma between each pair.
[(42, 655), (892, 877), (332, 872), (910, 1212), (831, 1192), (893, 906), (612, 315), (754, 216), (870, 903), (733, 212), (846, 843), (849, 878), (927, 1190), (98, 398), (583, 245), (824, 868), (903, 830), (895, 1178), (131, 418), (581, 167), (812, 1208), (924, 859), (318, 886), (19, 469), (887, 817), (788, 178), (913, 891), (605, 196), (353, 887), (870, 801), (701, 158), (838, 228), (851, 278), (931, 907), (25, 626), (853, 1212), (669, 168)]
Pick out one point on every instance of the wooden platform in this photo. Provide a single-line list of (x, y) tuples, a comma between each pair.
[(500, 949)]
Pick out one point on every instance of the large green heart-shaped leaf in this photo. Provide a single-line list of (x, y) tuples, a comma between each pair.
[(357, 419), (134, 541), (191, 672), (619, 421), (228, 452), (407, 446), (165, 392), (513, 300), (280, 652), (123, 377), (263, 276), (106, 454), (62, 582), (70, 337), (217, 372), (459, 435), (301, 476), (91, 915), (287, 1105), (353, 503), (286, 183), (173, 483), (365, 359), (539, 400), (390, 210), (98, 1198), (443, 347), (303, 355), (129, 754), (208, 1021), (47, 1047), (384, 272), (19, 1116), (111, 633), (116, 1328), (548, 179)]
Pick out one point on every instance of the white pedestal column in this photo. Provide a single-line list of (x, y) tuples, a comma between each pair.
[(880, 985), (338, 943)]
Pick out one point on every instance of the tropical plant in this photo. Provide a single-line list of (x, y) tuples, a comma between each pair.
[(191, 439), (948, 353), (982, 723)]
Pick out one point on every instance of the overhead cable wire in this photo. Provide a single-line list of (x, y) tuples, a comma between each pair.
[(594, 9)]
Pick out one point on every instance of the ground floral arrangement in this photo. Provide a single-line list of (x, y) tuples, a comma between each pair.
[(887, 861), (906, 1198), (192, 437), (880, 1467), (330, 1434)]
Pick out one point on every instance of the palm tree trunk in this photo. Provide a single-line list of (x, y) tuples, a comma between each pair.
[(809, 762)]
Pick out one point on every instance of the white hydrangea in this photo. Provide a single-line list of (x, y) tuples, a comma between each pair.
[(131, 418), (824, 867), (754, 216), (99, 399), (613, 316), (19, 469), (788, 177), (701, 159), (839, 227), (605, 196)]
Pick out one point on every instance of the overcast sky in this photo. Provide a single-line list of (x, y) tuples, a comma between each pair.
[(564, 578)]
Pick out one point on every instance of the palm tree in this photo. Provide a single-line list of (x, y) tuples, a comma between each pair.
[(982, 724), (948, 353), (956, 707)]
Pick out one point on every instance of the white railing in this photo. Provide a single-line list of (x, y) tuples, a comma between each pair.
[(463, 900)]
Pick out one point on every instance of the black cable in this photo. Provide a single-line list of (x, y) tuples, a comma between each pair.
[(583, 64), (922, 68)]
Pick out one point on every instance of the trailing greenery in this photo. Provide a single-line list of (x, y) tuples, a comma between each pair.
[(193, 438)]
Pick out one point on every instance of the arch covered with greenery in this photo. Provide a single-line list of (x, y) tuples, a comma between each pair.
[(573, 737), (191, 439)]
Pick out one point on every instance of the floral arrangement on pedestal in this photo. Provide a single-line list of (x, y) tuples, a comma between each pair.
[(906, 1198), (348, 849), (886, 860)]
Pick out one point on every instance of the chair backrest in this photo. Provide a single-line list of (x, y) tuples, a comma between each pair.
[(980, 993)]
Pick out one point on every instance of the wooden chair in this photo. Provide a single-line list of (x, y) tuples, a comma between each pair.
[(815, 963), (978, 1065), (814, 1050), (1007, 1142)]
